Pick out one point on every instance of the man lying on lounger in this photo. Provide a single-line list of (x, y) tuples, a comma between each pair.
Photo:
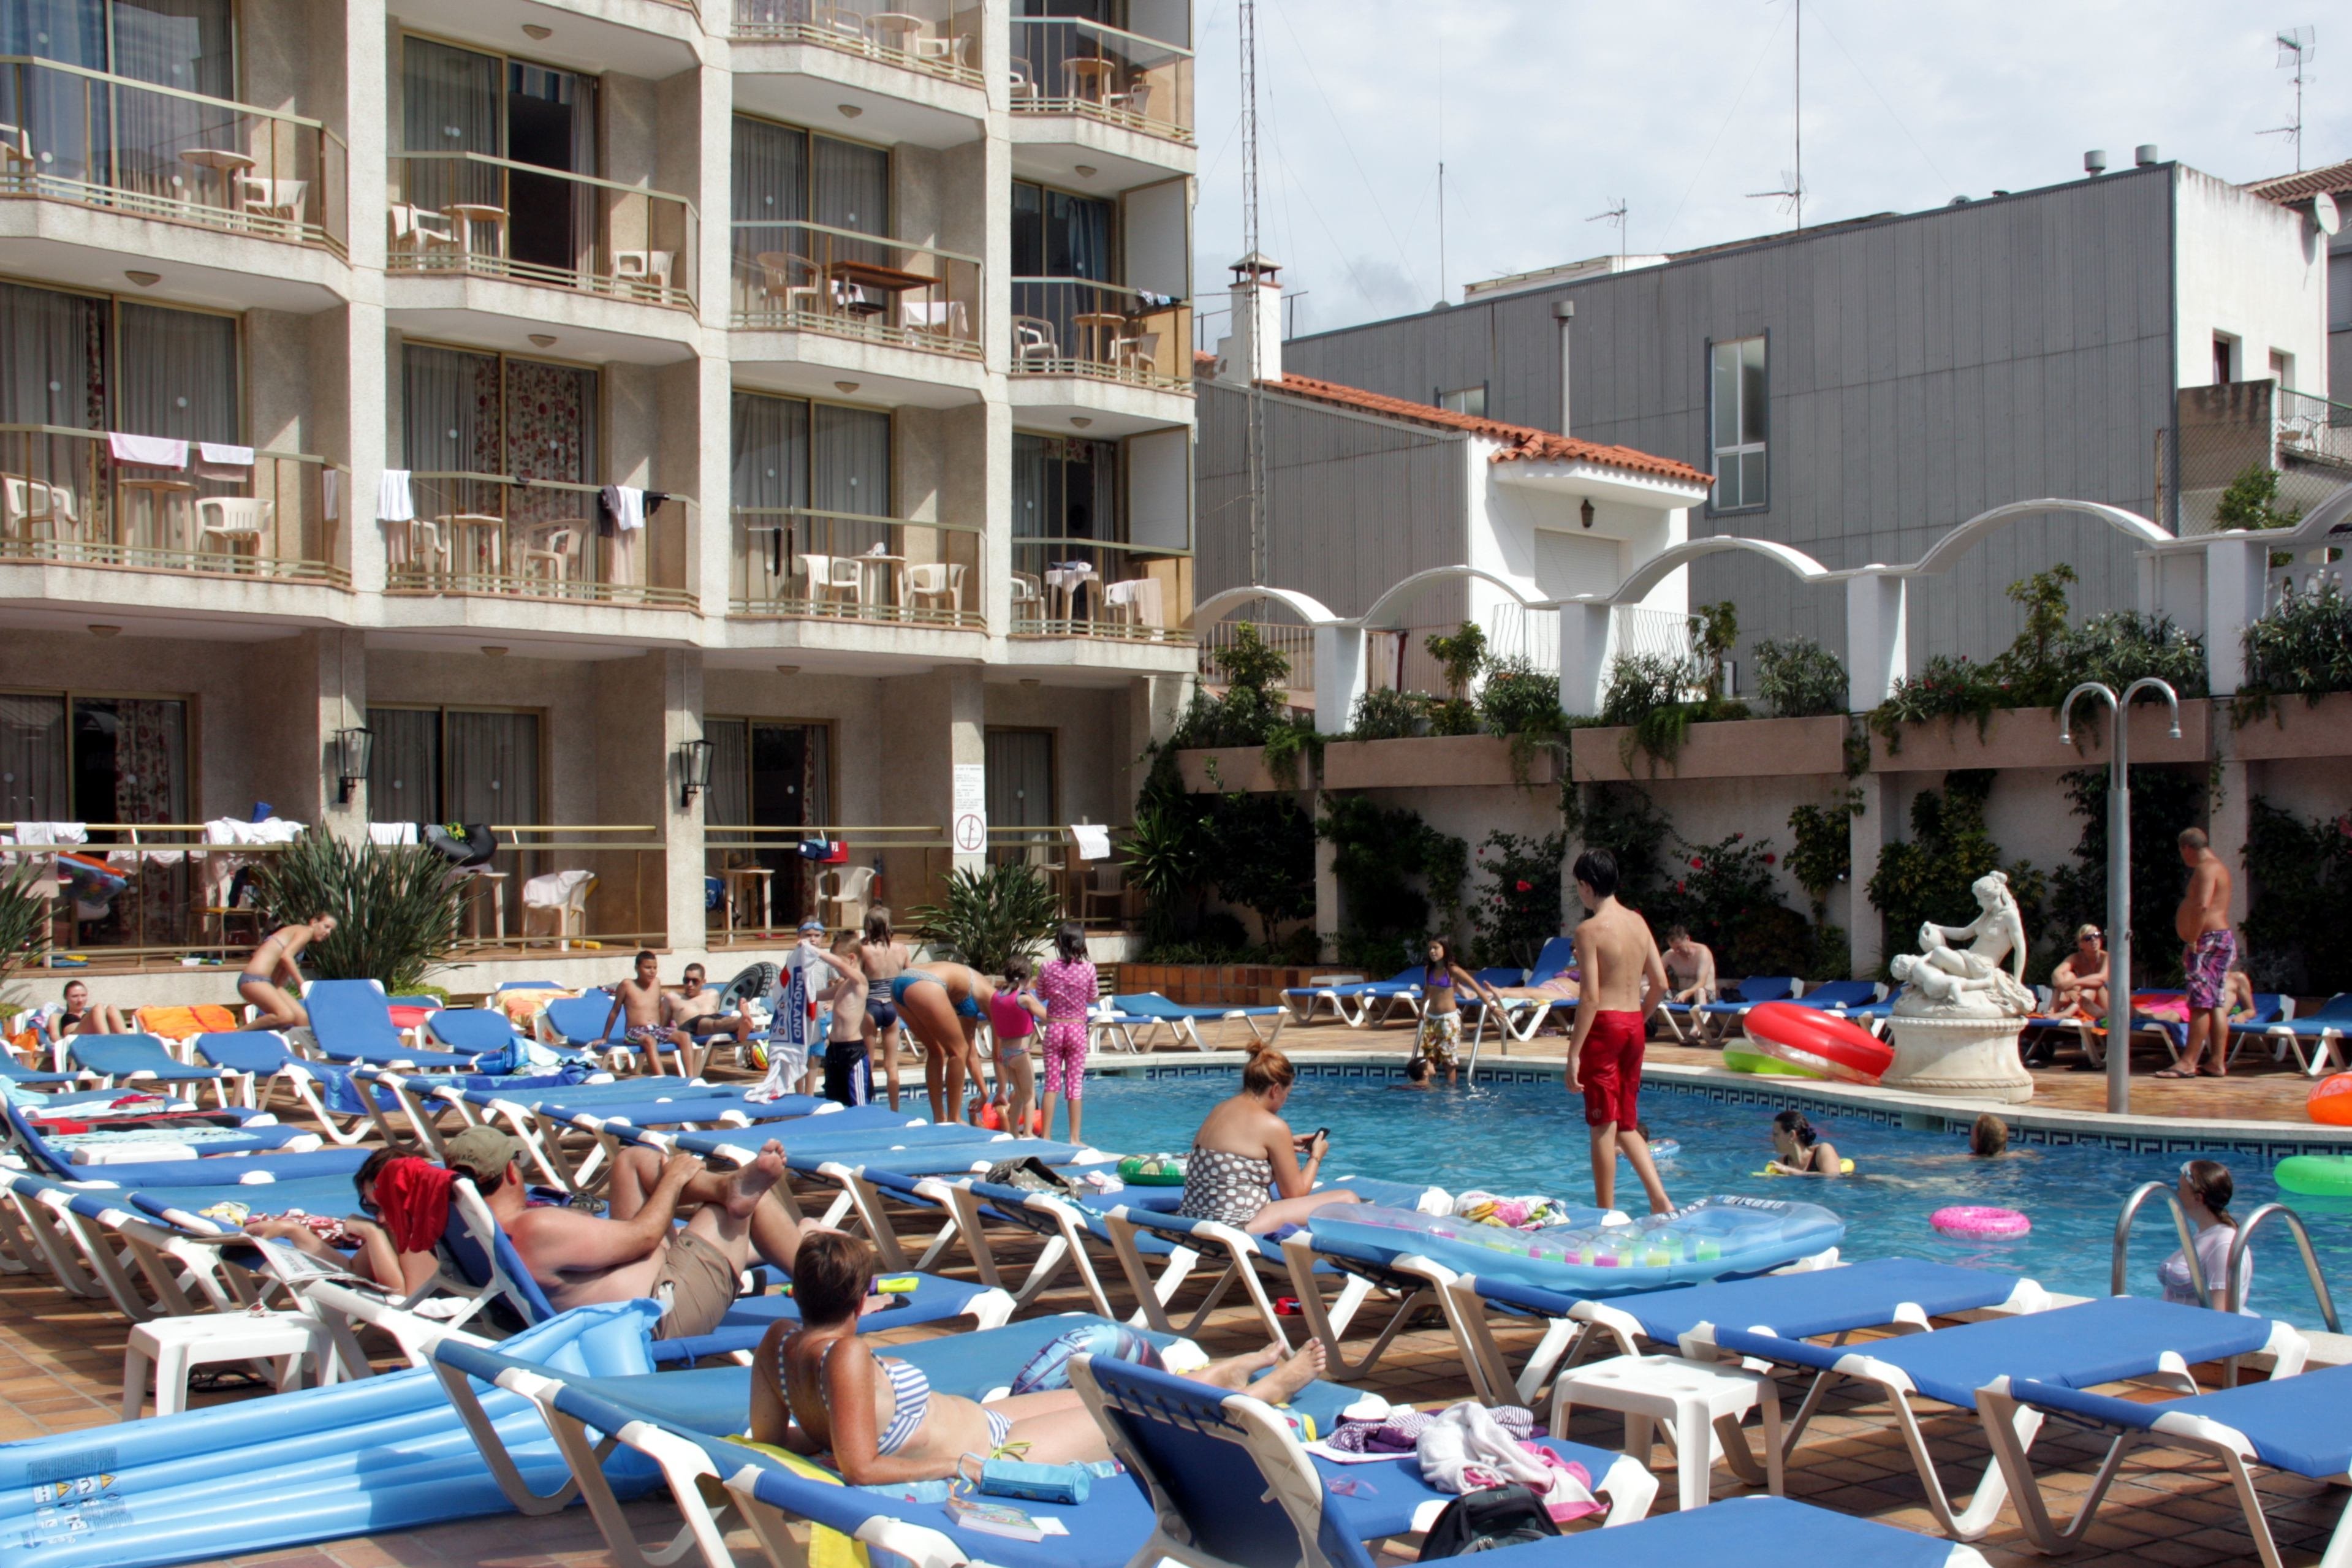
[(579, 1258)]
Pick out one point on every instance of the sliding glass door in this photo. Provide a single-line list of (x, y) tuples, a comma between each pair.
[(774, 777)]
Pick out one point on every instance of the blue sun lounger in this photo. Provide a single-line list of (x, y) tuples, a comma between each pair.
[(1352, 1003), (2113, 1340), (256, 1168), (116, 1059), (350, 1022), (1182, 1022), (481, 1032), (1719, 1018), (23, 1076), (2292, 1425), (1807, 1303), (2316, 1040), (102, 1153)]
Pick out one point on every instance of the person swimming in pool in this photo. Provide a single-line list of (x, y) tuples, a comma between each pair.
[(942, 1006), (1797, 1150), (272, 976), (818, 1388)]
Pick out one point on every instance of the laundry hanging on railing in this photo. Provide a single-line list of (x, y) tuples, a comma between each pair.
[(330, 495), (394, 504), (225, 454), (1092, 839), (148, 451)]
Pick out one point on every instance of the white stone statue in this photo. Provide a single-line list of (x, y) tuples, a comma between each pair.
[(1943, 979)]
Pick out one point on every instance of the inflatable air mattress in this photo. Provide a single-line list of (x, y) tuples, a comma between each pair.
[(1708, 1239)]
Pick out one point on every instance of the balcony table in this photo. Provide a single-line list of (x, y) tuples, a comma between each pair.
[(225, 166), (1100, 327), (169, 501), (1066, 582), (890, 280), (895, 30), (895, 569), (742, 881), (475, 539), (1088, 78), (468, 214)]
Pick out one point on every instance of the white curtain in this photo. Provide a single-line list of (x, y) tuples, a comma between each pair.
[(770, 189), (450, 102), (183, 44), (179, 375), (33, 779), (54, 372), (450, 424), (853, 191), (849, 471), (728, 804), (405, 765)]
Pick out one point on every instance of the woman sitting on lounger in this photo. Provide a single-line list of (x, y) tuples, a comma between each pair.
[(1246, 1153), (817, 1388)]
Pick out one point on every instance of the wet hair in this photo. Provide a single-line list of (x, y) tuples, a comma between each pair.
[(1988, 1137), (1417, 1070), (1017, 969), (878, 924), (2211, 1182), (2192, 838), (1070, 942), (831, 1274), (644, 954), (1793, 1123), (1597, 869), (1266, 1071), (1676, 933), (371, 1169)]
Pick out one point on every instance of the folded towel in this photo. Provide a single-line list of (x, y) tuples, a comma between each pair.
[(390, 833), (133, 1151), (148, 451), (221, 452), (1094, 840), (392, 502)]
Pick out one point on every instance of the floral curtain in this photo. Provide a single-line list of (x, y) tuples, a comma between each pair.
[(550, 433), (151, 773)]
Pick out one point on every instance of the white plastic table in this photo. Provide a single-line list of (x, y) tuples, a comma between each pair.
[(1697, 1398), (176, 1346)]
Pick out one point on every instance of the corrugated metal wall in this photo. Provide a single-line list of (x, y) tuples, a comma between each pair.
[(1355, 505), (1922, 369)]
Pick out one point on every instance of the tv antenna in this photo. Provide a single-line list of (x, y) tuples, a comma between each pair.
[(1791, 195), (1255, 395), (1616, 215), (2295, 48), (1793, 181)]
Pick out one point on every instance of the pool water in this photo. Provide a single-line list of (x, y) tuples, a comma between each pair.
[(1520, 1138)]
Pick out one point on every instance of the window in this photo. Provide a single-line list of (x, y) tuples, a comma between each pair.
[(1066, 488), (454, 764), (464, 413), (2225, 359), (458, 100), (785, 176), (2282, 369), (1737, 392), (69, 758), (794, 459), (123, 137), (1020, 778), (769, 774), (1464, 399), (88, 362), (2339, 292), (1061, 245)]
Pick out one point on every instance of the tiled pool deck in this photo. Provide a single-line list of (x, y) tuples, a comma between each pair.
[(61, 1367)]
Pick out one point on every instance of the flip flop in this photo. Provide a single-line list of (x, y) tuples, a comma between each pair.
[(2173, 1074)]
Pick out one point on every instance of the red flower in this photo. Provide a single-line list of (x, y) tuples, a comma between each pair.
[(1736, 837), (1771, 859), (1678, 887), (1698, 864), (1527, 887)]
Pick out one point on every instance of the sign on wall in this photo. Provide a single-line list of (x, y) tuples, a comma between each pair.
[(968, 830)]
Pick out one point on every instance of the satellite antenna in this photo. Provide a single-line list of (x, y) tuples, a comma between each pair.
[(1615, 214), (1791, 195), (2295, 48)]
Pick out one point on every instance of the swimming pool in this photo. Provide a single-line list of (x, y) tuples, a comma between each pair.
[(1530, 1137)]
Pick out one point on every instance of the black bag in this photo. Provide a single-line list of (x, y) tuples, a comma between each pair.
[(1482, 1521), (463, 844)]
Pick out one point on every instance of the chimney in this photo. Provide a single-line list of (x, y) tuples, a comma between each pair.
[(2144, 154), (1257, 314), (2094, 163)]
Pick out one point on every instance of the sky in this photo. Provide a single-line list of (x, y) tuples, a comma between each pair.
[(1547, 112)]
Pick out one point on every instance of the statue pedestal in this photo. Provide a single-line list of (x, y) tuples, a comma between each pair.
[(1959, 1056)]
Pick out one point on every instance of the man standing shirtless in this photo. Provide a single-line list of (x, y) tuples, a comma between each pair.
[(2209, 948), (1624, 982), (640, 1002)]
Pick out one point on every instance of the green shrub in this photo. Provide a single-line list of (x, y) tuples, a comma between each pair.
[(1928, 877), (2252, 502), (1453, 716), (2301, 903), (1519, 699), (1823, 853), (1223, 933), (991, 915), (1798, 678), (2302, 648), (1641, 684), (1519, 910), (396, 910), (2163, 802), (23, 921), (1378, 856), (1262, 858), (1622, 818), (1386, 714), (1462, 655)]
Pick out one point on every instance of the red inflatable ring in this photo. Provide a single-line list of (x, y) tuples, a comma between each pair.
[(2331, 1102), (1807, 1037)]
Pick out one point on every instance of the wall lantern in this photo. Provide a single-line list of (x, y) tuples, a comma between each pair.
[(353, 749), (694, 768), (1585, 511)]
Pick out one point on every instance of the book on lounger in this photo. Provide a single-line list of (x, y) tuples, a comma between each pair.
[(994, 1518)]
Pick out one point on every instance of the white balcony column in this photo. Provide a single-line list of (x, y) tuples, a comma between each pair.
[(1877, 640), (2237, 574), (1339, 675), (1868, 834), (1585, 632)]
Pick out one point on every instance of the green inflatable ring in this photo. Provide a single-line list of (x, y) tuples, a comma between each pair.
[(2315, 1176), (1763, 1066), (1159, 1170)]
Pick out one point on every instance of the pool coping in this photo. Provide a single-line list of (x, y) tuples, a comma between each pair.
[(1891, 1107)]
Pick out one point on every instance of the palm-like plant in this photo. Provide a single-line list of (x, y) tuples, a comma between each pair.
[(396, 911), (989, 916), (23, 921)]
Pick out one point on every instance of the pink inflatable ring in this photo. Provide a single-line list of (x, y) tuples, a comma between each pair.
[(1970, 1219)]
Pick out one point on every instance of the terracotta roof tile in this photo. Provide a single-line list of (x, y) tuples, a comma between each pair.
[(2303, 186), (1202, 359), (1521, 444)]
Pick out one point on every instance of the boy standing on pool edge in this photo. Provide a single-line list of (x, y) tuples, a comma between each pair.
[(1624, 980)]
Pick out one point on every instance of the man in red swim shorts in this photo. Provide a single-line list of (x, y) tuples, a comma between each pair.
[(1624, 980)]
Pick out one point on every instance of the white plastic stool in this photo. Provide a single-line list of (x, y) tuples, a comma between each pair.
[(176, 1346), (1698, 1399)]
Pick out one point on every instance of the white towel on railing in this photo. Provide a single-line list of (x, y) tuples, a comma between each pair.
[(222, 453), (392, 502), (268, 830), (1094, 840), (148, 451), (627, 505), (331, 494), (391, 833), (53, 832)]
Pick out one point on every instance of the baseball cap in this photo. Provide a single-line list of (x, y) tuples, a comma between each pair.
[(482, 1151)]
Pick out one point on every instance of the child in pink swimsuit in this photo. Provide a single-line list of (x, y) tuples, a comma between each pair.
[(1067, 985)]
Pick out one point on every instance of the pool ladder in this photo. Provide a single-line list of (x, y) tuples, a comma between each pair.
[(2226, 1299)]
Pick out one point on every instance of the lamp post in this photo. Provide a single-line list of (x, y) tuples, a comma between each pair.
[(2118, 867)]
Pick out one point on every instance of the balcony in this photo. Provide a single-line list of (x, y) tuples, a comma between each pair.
[(934, 37), (1088, 587), (792, 563), (1069, 327), (64, 501), (90, 140), (808, 278), (473, 215), (1064, 65), (492, 535)]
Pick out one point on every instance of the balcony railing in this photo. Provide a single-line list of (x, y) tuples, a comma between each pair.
[(937, 37), (1087, 587), (63, 498), (801, 277), (621, 902), (533, 539), (493, 218), (1062, 65), (67, 134), (1069, 327), (791, 562)]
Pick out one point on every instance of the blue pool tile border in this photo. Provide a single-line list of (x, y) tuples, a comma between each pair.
[(1835, 1109)]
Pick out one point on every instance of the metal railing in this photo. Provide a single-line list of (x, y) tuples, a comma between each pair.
[(84, 137), (140, 894), (624, 903), (802, 276), (2245, 1239), (1064, 65), (2312, 429), (936, 36), (1070, 326), (533, 539), (63, 499), (494, 217), (1293, 642), (1088, 588), (791, 561)]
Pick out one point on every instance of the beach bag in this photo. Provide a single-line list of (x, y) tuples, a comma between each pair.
[(1030, 1174), (462, 844), (1485, 1520)]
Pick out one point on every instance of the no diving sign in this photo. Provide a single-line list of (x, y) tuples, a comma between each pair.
[(969, 832)]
